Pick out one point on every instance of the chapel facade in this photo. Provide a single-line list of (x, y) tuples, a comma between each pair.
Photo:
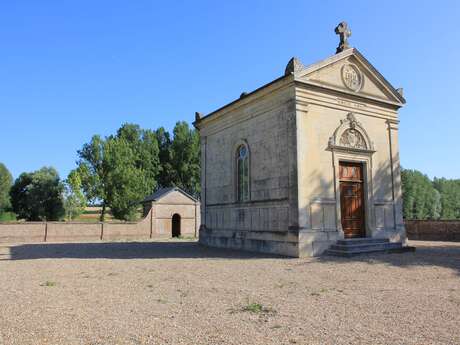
[(305, 161)]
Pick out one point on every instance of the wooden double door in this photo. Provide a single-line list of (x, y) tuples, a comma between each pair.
[(352, 199)]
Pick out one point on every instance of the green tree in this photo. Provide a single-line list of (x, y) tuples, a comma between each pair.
[(420, 198), (6, 181), (185, 158), (38, 195), (90, 168), (120, 170), (126, 184), (165, 176), (145, 153), (450, 197), (74, 199), (437, 206)]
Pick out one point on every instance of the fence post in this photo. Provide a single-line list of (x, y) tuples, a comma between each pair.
[(151, 220), (46, 230)]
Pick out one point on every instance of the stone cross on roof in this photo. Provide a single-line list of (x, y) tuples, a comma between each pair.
[(344, 32)]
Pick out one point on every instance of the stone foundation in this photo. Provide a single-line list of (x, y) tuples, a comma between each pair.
[(280, 243)]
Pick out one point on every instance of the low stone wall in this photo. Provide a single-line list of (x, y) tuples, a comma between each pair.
[(77, 231), (433, 230)]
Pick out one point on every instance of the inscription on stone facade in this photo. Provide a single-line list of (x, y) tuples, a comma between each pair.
[(350, 104)]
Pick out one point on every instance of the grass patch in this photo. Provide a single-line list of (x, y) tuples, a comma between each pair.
[(48, 283), (7, 217)]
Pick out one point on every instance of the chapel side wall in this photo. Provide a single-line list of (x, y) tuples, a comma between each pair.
[(319, 208), (267, 125)]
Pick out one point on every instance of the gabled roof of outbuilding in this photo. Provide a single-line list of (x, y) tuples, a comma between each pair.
[(162, 192)]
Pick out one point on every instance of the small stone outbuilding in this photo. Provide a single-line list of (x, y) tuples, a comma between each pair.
[(306, 161), (174, 212)]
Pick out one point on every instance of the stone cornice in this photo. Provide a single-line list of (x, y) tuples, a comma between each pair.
[(340, 92), (247, 98)]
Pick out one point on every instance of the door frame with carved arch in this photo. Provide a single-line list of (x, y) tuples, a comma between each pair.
[(343, 151)]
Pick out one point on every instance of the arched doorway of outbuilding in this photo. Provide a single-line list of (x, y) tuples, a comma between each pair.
[(176, 225)]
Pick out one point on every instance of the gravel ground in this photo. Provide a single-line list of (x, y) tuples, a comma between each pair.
[(182, 293)]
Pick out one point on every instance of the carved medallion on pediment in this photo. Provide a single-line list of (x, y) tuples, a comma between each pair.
[(352, 77)]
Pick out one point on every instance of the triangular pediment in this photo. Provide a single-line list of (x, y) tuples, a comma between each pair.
[(171, 195), (351, 73)]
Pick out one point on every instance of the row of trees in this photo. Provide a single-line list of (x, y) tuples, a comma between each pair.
[(117, 172), (424, 198)]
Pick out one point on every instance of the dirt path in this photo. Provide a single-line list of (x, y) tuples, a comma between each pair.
[(182, 293)]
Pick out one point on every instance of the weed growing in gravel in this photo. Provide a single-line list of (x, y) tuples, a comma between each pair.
[(254, 307), (276, 327), (48, 283), (318, 293), (257, 308)]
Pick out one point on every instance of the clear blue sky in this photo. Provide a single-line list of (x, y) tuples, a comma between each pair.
[(71, 69)]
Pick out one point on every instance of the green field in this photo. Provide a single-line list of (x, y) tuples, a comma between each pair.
[(7, 217)]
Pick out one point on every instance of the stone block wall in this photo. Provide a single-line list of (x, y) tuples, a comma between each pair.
[(433, 230), (78, 231), (267, 127)]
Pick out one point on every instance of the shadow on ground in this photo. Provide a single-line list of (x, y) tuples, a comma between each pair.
[(441, 254), (125, 250)]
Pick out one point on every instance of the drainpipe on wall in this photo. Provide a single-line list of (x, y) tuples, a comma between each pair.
[(151, 219), (195, 219)]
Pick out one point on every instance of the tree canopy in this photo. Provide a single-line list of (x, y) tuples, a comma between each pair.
[(450, 197), (74, 199), (120, 170), (427, 199), (182, 159), (38, 195), (6, 181)]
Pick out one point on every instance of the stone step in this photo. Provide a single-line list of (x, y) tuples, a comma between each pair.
[(369, 251), (366, 246), (352, 241)]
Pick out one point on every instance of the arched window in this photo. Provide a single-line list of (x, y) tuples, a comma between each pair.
[(242, 169)]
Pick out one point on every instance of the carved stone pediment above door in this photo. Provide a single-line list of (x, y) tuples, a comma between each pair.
[(351, 136)]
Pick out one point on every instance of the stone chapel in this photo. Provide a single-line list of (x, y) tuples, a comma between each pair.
[(307, 163)]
